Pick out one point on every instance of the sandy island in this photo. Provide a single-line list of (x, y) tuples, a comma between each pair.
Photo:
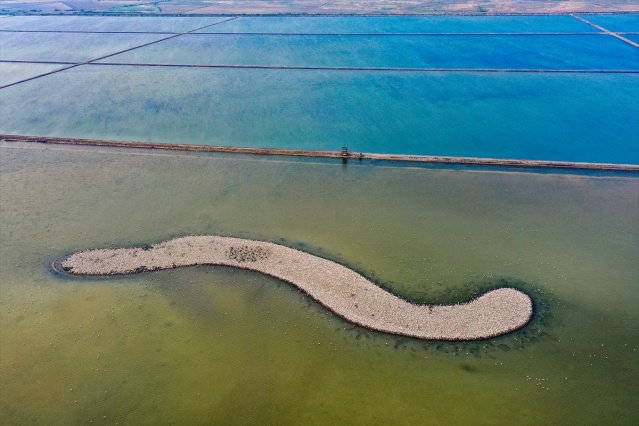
[(342, 290)]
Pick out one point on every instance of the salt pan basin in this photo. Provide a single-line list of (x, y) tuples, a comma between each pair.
[(340, 289)]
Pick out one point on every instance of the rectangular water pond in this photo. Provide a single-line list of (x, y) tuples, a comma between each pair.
[(67, 46), (617, 23), (211, 345), (632, 37), (404, 24), (569, 117), (554, 52), (14, 72), (107, 23)]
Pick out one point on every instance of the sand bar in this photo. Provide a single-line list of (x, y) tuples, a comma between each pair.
[(340, 289)]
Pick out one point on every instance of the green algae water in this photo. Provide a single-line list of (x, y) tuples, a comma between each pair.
[(211, 345)]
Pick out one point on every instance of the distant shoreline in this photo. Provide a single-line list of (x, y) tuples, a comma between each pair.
[(322, 15), (310, 8), (340, 289)]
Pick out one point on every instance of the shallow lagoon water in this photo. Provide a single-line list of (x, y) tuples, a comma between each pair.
[(334, 24), (588, 117), (633, 37), (502, 115), (198, 345), (405, 24), (625, 22), (106, 24), (67, 46), (554, 52), (12, 73)]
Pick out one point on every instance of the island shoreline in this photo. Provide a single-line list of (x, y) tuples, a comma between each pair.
[(341, 290)]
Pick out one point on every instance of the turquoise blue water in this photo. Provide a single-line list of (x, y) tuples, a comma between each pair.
[(502, 52), (405, 24), (550, 116), (629, 22), (573, 117), (103, 23), (11, 73), (66, 46), (427, 24)]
